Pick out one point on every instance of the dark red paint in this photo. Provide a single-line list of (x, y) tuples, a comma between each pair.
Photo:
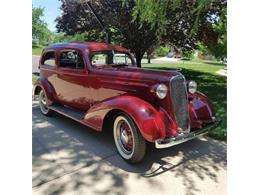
[(99, 91)]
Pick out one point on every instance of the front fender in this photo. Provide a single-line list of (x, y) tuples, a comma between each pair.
[(151, 122), (201, 110), (44, 84)]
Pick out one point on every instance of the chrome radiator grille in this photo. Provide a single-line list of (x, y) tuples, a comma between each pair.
[(180, 102)]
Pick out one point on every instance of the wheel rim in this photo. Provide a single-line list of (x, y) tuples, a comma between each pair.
[(43, 102), (123, 136)]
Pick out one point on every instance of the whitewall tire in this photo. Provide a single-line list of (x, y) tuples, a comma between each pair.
[(128, 140), (43, 104)]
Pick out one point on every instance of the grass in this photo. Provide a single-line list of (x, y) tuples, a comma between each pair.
[(37, 50), (34, 79), (209, 83)]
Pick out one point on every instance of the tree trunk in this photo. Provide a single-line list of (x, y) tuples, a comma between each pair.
[(149, 59), (138, 60)]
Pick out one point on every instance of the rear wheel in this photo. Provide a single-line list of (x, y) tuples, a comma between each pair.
[(43, 104), (129, 141)]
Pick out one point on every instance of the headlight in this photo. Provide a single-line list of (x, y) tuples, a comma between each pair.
[(192, 87), (161, 91)]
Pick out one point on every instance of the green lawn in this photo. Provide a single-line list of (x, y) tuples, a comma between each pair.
[(209, 83), (36, 50), (34, 79)]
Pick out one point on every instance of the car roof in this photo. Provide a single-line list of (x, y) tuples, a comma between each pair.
[(91, 46)]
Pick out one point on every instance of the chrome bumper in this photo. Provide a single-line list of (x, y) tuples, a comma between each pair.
[(183, 137)]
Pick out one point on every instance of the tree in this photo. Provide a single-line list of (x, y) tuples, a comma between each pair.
[(40, 30), (220, 49), (117, 15), (187, 23)]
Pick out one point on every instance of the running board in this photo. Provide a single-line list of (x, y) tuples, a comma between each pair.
[(69, 112)]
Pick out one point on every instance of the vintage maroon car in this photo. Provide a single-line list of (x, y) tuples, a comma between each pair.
[(99, 85)]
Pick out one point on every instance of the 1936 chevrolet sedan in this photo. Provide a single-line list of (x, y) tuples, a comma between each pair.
[(99, 85)]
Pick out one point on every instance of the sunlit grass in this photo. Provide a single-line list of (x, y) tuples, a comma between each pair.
[(34, 80), (209, 83), (36, 50)]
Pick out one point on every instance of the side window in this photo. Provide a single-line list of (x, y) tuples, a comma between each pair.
[(122, 58), (99, 59), (49, 58), (110, 57), (71, 59)]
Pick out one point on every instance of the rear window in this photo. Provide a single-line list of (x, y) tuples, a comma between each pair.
[(49, 58)]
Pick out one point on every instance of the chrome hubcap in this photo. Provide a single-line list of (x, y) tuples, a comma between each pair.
[(124, 136), (43, 103), (43, 100)]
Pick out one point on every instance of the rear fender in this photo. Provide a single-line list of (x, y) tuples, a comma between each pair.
[(44, 84), (151, 122)]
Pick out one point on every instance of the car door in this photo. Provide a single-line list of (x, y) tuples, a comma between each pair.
[(72, 82), (48, 65)]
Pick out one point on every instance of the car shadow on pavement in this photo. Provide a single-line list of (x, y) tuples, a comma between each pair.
[(86, 159)]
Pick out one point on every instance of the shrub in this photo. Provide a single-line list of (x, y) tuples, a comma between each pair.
[(161, 51), (188, 54)]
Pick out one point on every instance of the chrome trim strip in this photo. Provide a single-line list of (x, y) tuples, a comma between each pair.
[(184, 137), (177, 70)]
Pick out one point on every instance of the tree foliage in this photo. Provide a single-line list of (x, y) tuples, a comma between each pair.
[(117, 15), (40, 30), (185, 23), (220, 49), (140, 25)]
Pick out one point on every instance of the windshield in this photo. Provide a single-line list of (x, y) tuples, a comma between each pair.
[(111, 57)]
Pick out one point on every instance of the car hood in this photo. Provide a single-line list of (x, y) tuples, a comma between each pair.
[(144, 74)]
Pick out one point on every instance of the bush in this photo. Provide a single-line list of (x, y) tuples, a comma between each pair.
[(35, 43), (79, 37), (60, 37), (161, 51), (188, 54)]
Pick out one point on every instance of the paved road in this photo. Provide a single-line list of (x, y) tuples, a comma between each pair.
[(69, 158), (35, 63)]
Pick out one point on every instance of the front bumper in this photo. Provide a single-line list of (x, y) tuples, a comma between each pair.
[(183, 137)]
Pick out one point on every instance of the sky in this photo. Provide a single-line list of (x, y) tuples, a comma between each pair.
[(51, 11)]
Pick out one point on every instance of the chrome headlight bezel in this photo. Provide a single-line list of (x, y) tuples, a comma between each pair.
[(192, 87), (161, 91)]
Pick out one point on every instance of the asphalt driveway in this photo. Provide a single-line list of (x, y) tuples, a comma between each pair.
[(69, 158), (35, 63)]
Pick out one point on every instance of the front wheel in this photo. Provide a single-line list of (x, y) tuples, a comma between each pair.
[(43, 104), (129, 142)]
